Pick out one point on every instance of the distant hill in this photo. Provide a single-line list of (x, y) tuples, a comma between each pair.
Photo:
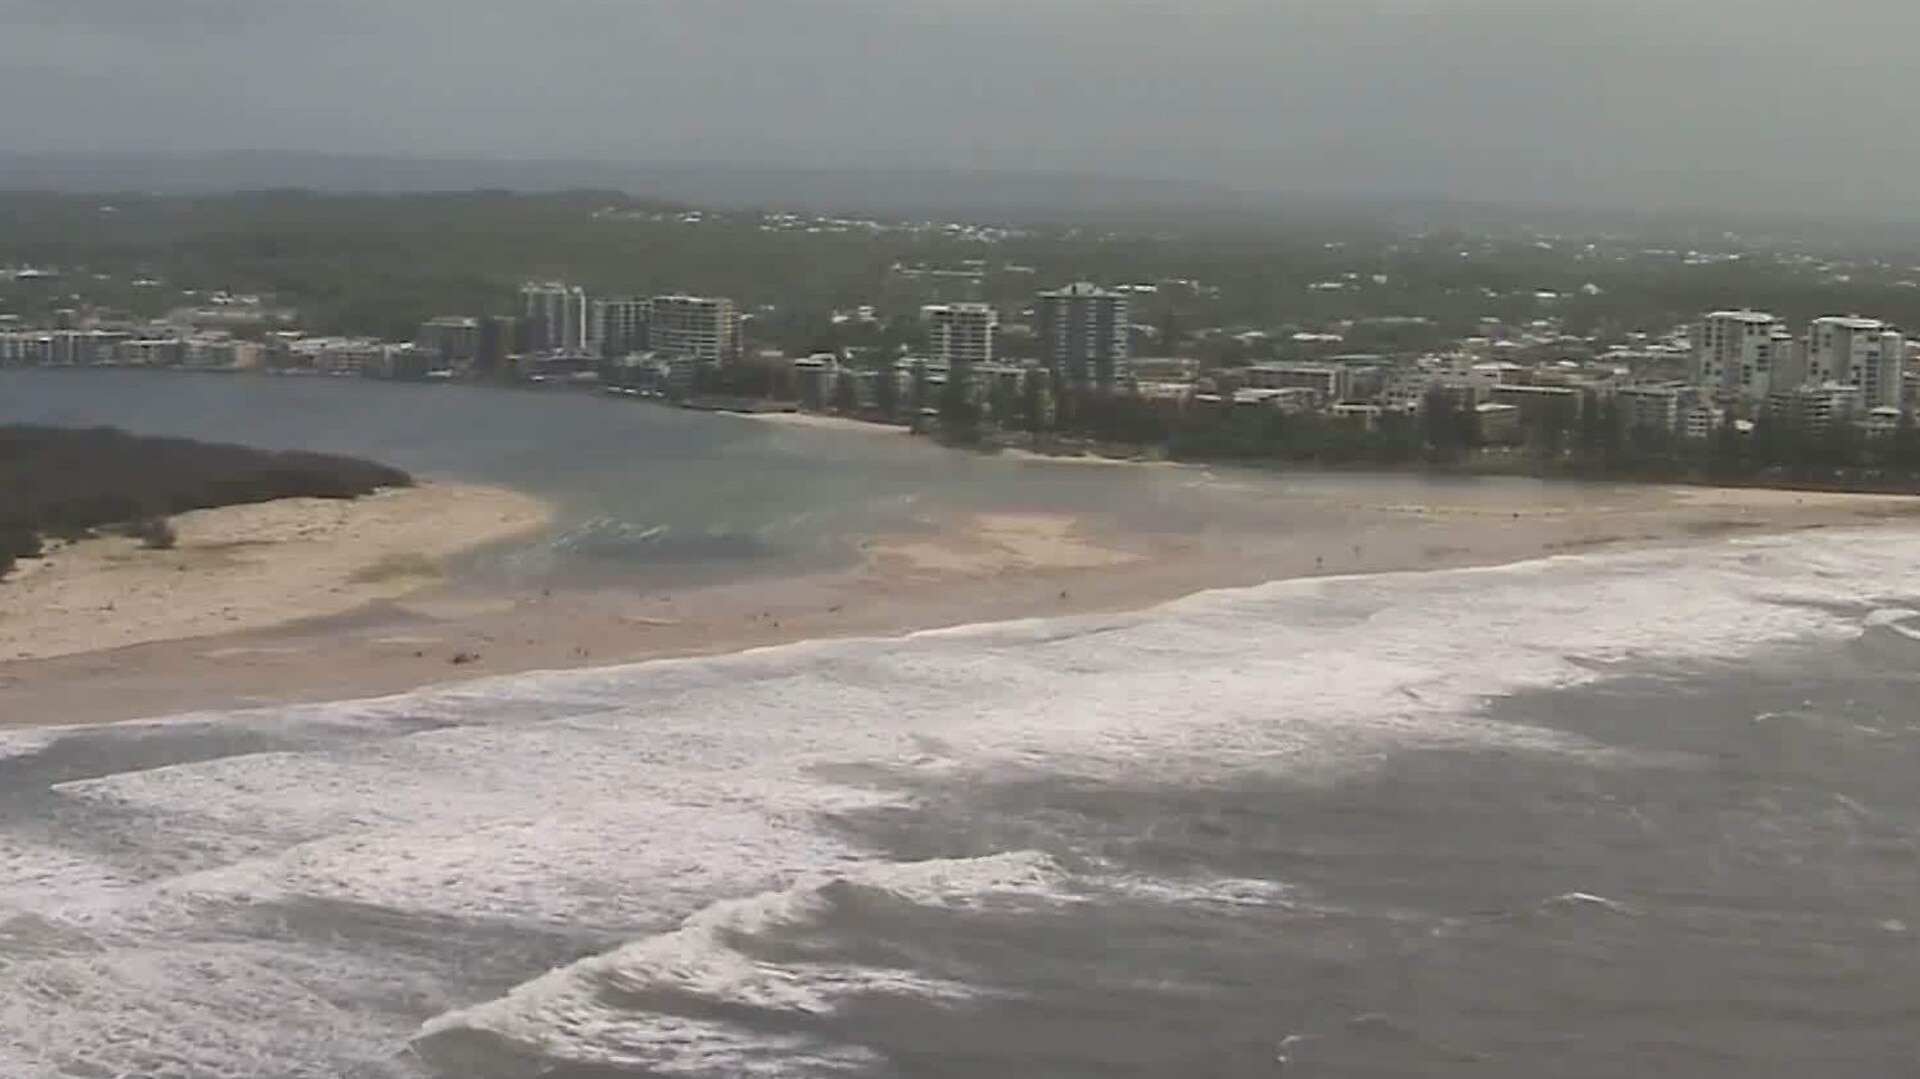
[(1003, 195), (898, 192)]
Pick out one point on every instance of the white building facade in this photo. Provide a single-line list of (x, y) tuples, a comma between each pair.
[(961, 333), (701, 327), (558, 316), (1742, 355), (1864, 353), (620, 326)]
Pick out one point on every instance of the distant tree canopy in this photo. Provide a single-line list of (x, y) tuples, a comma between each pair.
[(66, 483), (1588, 440)]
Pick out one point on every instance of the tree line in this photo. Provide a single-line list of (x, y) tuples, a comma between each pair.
[(63, 483), (1590, 436)]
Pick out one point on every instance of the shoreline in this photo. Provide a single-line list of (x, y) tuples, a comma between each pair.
[(961, 570), (821, 421)]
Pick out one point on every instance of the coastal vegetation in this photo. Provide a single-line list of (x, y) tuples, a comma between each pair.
[(63, 483), (1583, 438)]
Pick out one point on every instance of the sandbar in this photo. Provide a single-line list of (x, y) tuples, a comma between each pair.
[(249, 567), (953, 569)]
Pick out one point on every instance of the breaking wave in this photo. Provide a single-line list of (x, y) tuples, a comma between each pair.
[(624, 813)]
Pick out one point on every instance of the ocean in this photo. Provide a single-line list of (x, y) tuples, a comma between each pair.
[(1621, 814)]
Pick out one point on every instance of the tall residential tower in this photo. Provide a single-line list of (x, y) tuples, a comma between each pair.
[(1864, 353), (1742, 354), (1085, 332), (556, 316)]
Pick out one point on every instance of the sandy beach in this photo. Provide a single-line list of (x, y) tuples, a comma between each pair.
[(244, 568), (821, 422), (104, 632)]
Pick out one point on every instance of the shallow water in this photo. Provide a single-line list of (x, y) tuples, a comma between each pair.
[(1632, 814), (650, 494)]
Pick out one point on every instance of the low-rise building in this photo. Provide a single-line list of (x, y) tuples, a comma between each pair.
[(1281, 398), (1882, 421), (1350, 378), (1499, 424), (1367, 416), (1409, 392), (1538, 403), (454, 340), (1701, 421), (1817, 406), (1654, 406)]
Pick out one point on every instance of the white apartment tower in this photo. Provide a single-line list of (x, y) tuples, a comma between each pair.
[(961, 334), (1741, 354), (700, 327), (1863, 353), (557, 316)]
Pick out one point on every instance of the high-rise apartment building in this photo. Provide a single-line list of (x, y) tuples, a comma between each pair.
[(499, 339), (701, 327), (1743, 354), (1864, 353), (557, 316), (620, 326), (1085, 333), (961, 334)]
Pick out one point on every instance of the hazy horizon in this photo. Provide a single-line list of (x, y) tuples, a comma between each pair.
[(1763, 105)]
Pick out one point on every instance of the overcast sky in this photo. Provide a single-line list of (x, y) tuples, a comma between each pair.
[(1750, 103)]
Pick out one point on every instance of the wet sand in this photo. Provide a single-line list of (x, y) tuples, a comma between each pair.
[(962, 570)]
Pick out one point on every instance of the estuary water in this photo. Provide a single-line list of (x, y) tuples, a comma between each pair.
[(1624, 814)]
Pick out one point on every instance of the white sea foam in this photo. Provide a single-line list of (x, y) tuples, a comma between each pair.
[(186, 1009), (1897, 620), (1217, 891), (628, 799), (20, 743), (584, 1013)]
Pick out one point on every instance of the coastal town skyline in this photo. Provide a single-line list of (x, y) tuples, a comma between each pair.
[(977, 349)]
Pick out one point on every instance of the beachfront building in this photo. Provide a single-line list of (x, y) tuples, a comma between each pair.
[(450, 339), (1085, 334), (1818, 406), (557, 316), (1653, 406), (1545, 405), (498, 338), (1330, 382), (702, 327), (1861, 352), (620, 325), (1742, 355), (961, 334)]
